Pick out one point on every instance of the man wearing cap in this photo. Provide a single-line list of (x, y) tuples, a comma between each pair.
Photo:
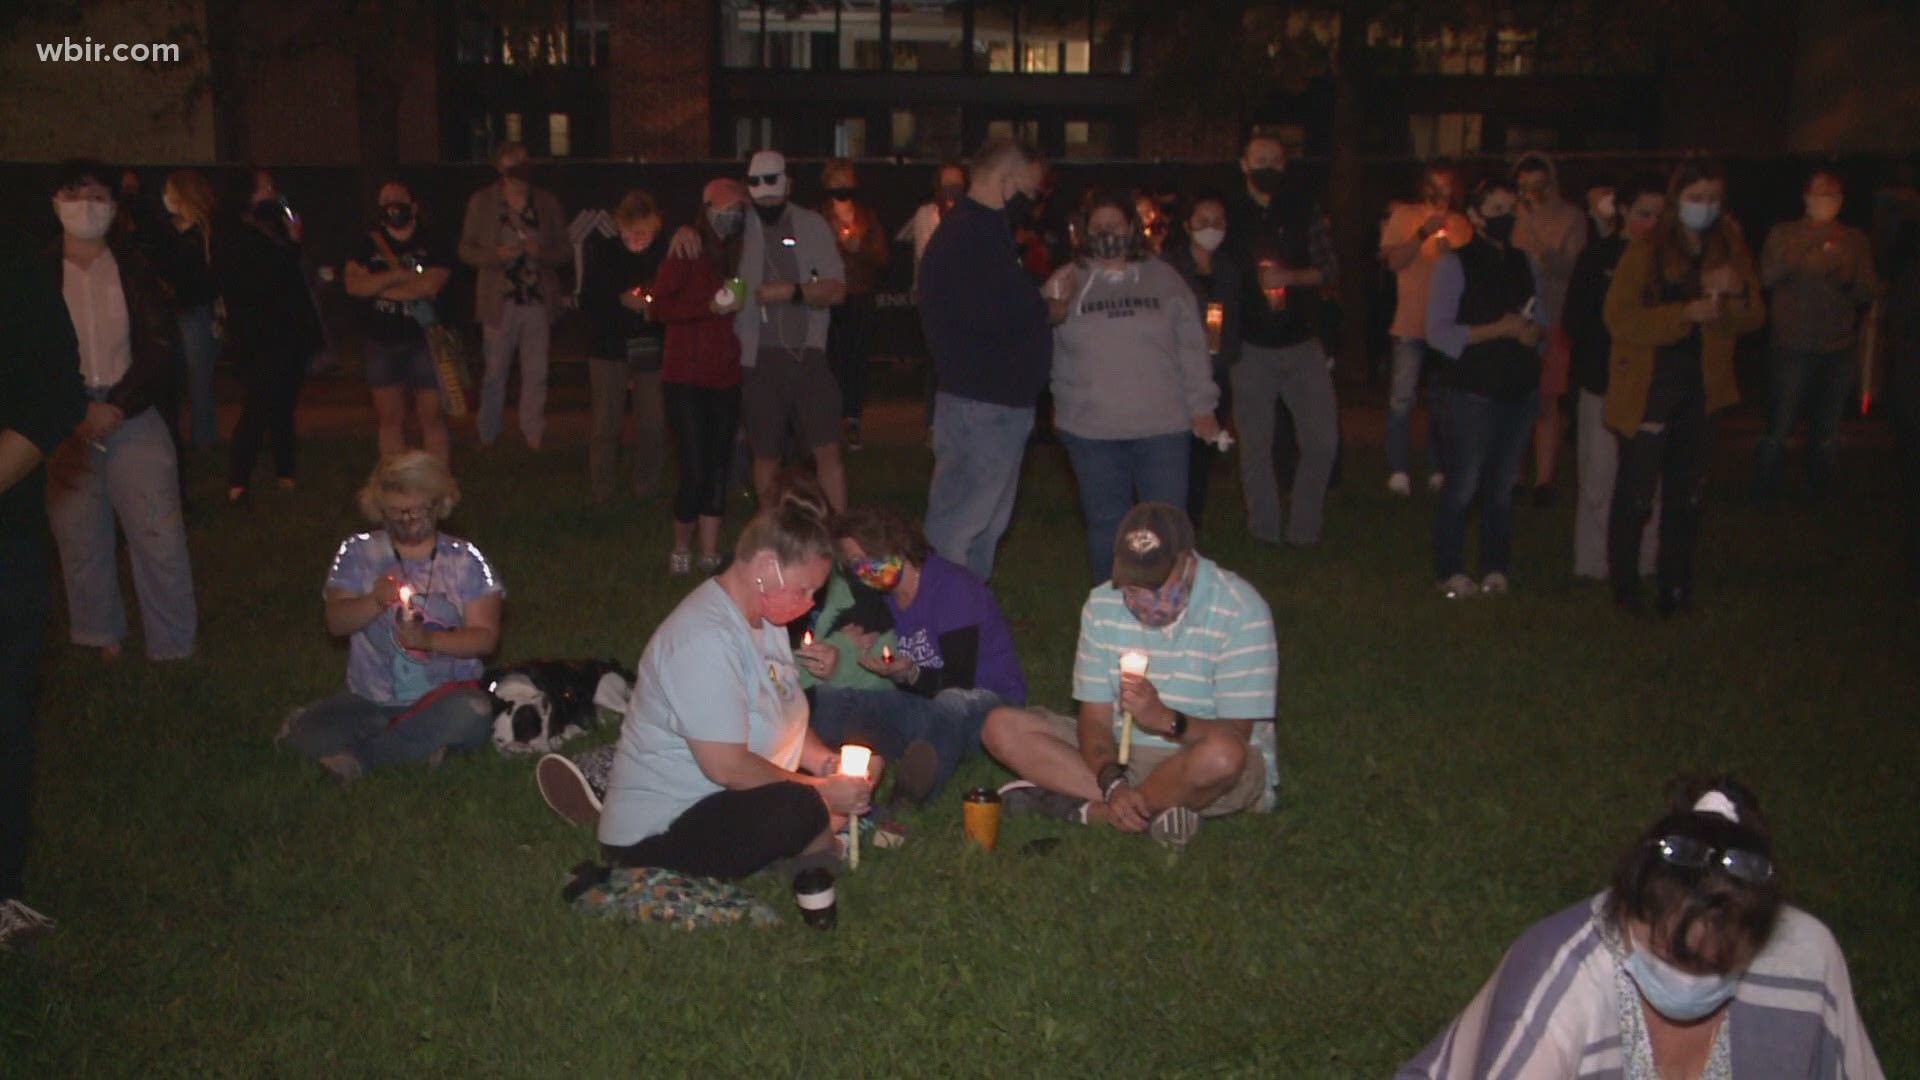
[(790, 261), (1203, 740)]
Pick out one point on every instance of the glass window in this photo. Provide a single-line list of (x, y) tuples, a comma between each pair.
[(800, 36), (1517, 51), (1027, 131), (1444, 134), (512, 128), (740, 33), (927, 131), (1531, 138), (1055, 46), (559, 135), (850, 137), (1446, 51), (1089, 139), (860, 35), (751, 133), (993, 36), (927, 34), (1112, 47), (590, 32)]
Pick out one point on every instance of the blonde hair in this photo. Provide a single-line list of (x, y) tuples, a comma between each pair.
[(411, 472), (194, 198), (794, 530)]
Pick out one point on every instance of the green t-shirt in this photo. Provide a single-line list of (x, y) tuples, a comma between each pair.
[(847, 672)]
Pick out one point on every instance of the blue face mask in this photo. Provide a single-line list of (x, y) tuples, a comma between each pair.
[(1699, 216), (1674, 994)]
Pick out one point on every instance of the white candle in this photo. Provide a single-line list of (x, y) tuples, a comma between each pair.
[(406, 600), (1132, 662), (853, 762)]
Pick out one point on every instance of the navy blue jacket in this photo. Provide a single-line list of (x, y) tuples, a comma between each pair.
[(986, 324)]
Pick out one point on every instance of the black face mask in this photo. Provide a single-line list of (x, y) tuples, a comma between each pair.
[(397, 215), (1019, 206), (1269, 181), (841, 194), (726, 223), (1498, 229), (770, 214)]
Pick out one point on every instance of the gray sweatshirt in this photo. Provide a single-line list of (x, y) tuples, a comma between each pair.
[(1130, 361), (1821, 276)]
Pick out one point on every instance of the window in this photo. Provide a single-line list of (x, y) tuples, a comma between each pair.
[(860, 48), (1051, 47), (927, 131), (741, 34), (511, 128), (1522, 137), (590, 32), (1444, 134), (1089, 139), (802, 36), (1112, 48), (751, 133), (994, 33), (559, 135), (1027, 131), (1516, 51), (928, 34), (850, 137), (1446, 51)]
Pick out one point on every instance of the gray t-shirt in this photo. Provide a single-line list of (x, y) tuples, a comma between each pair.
[(816, 255), (784, 332), (705, 675)]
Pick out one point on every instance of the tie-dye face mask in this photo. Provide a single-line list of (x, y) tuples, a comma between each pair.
[(1162, 607), (881, 575)]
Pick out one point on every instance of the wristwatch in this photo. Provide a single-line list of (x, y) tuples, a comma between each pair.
[(1179, 729)]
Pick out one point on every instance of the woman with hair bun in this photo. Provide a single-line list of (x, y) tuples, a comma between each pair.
[(1689, 965)]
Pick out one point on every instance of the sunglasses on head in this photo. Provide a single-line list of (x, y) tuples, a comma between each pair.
[(764, 179), (1688, 853)]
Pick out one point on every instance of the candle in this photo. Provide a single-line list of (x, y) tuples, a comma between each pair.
[(806, 640), (1216, 319), (406, 600), (853, 762), (1132, 662), (886, 654)]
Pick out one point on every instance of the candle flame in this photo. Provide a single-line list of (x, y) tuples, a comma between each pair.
[(1133, 662), (806, 639), (854, 760)]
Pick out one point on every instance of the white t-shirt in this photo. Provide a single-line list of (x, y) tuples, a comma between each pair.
[(706, 675), (98, 308)]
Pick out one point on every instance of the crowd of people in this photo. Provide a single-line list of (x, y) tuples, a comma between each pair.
[(826, 623)]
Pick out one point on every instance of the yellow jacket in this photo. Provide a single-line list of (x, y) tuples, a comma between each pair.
[(1639, 329)]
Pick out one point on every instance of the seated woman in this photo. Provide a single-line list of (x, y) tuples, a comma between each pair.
[(1688, 965), (706, 779), (422, 609), (953, 662)]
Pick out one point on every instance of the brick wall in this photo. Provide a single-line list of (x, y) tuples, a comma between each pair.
[(659, 76)]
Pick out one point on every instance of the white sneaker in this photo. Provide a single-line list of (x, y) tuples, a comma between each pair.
[(1174, 827), (1399, 484), (20, 923), (1436, 481), (1494, 584), (1458, 587)]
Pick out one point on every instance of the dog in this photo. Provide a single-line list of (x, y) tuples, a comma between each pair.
[(539, 705)]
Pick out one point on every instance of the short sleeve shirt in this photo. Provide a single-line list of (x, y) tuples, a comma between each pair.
[(389, 320), (444, 583), (708, 676), (1219, 661)]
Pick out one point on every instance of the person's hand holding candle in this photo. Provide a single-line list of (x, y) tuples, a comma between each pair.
[(386, 591), (1132, 663), (855, 761), (889, 665), (818, 658), (411, 632), (1141, 701)]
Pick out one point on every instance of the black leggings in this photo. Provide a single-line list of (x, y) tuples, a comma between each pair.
[(731, 834), (703, 421), (1674, 459), (272, 392)]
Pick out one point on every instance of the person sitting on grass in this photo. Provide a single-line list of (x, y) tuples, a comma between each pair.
[(423, 609), (1689, 964), (1202, 741), (707, 778), (953, 661)]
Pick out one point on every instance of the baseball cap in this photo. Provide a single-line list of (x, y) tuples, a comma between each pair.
[(1150, 541)]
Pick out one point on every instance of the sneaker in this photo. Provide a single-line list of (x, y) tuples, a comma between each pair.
[(1399, 484), (1174, 827), (1458, 587), (916, 772), (1494, 584), (1436, 481), (1026, 797), (680, 563), (20, 924), (566, 790), (709, 565)]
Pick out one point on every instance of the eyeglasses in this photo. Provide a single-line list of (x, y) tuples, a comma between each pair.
[(764, 179), (1684, 851)]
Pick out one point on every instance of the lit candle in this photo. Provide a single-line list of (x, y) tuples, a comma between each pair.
[(406, 600), (1216, 319), (853, 762), (886, 654), (806, 640), (1132, 662)]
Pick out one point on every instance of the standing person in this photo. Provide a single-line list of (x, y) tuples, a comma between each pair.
[(1679, 301), (184, 258), (700, 372), (949, 187), (616, 292), (1414, 239), (791, 263), (1215, 281), (1553, 231), (42, 399), (1285, 246), (1605, 215), (1483, 305), (119, 462), (1598, 452), (400, 272), (863, 247), (516, 240), (272, 333), (1132, 385), (992, 351), (1821, 274)]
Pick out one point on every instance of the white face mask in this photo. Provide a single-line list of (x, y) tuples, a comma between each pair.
[(1823, 208), (1209, 239), (85, 219), (1605, 208)]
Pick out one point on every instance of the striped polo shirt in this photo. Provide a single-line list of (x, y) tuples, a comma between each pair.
[(1218, 661)]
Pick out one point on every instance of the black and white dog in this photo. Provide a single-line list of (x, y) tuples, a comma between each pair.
[(541, 704)]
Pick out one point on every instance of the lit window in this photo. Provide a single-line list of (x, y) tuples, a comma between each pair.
[(927, 34), (559, 135), (850, 137), (1518, 51), (1444, 134), (512, 127)]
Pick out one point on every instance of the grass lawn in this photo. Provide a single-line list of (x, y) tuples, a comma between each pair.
[(1453, 772)]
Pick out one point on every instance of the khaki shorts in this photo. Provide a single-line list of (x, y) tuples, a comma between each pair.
[(779, 390), (1247, 793)]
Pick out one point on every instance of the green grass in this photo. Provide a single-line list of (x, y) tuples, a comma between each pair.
[(1453, 772)]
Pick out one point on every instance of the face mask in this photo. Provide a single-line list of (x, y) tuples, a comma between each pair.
[(1019, 206), (770, 214), (1498, 229), (880, 575), (410, 531), (1162, 607), (726, 223), (1675, 994), (85, 219), (1106, 245), (1605, 208), (1823, 208), (841, 194), (1209, 239), (1268, 181), (782, 607), (397, 215), (949, 195), (1699, 216)]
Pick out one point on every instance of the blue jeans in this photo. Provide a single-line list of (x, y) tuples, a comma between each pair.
[(977, 450), (888, 720), (130, 475), (1109, 471), (200, 350), (1409, 355), (350, 724), (1819, 381), (1486, 438)]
